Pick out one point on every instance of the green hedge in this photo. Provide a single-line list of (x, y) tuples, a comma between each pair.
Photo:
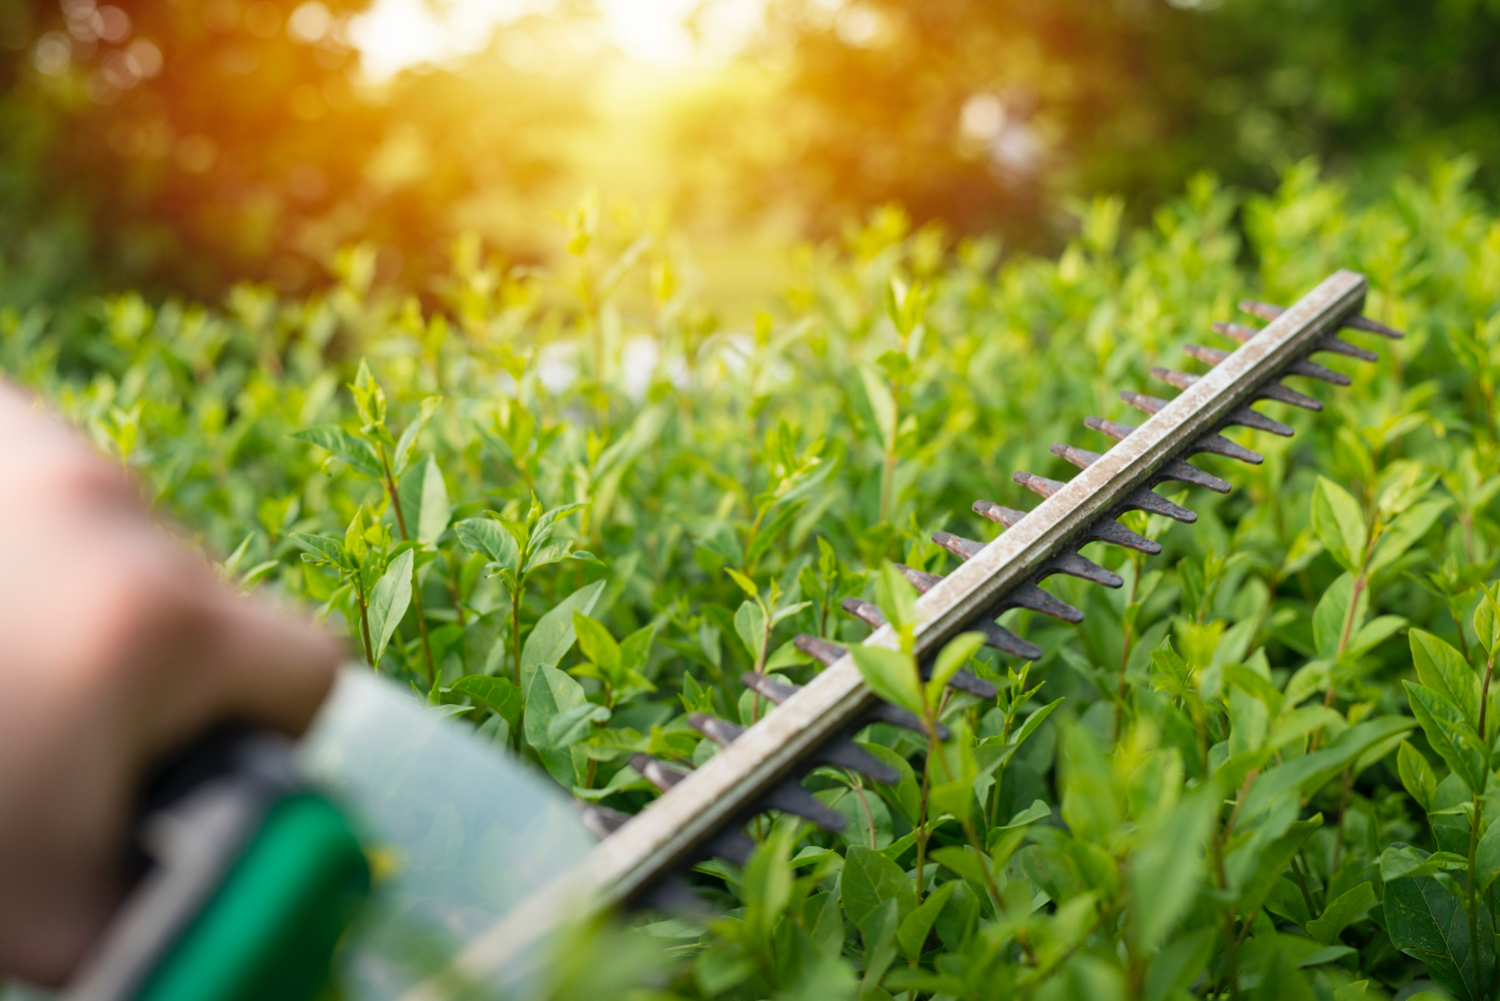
[(1211, 808)]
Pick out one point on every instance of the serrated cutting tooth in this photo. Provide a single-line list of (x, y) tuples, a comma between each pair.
[(601, 821), (671, 895), (957, 545), (1209, 356), (1114, 429), (768, 687), (821, 651), (1007, 516), (964, 680), (1186, 472), (1117, 534), (1034, 598), (1281, 394), (655, 772), (720, 731), (882, 712), (1037, 484), (1313, 370), (733, 845), (1270, 311), (1075, 565), (1100, 531), (1217, 444), (1174, 469), (1213, 444), (1244, 415), (920, 579), (1154, 503), (790, 797), (864, 612), (1335, 345), (1257, 421), (840, 754)]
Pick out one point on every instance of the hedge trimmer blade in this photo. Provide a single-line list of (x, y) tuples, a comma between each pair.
[(701, 812)]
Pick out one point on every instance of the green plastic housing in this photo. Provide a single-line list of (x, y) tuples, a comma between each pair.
[(271, 930)]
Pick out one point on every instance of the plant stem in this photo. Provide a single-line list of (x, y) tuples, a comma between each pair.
[(416, 590), (364, 622), (921, 832), (1478, 805)]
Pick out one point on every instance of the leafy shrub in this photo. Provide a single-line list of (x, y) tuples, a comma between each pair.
[(575, 507)]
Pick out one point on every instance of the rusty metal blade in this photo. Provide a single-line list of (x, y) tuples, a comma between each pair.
[(1075, 565), (601, 821), (1031, 597), (1209, 356), (790, 797), (1331, 344), (920, 579), (1173, 469), (1323, 373), (958, 545), (720, 731), (1257, 421), (1102, 531), (821, 651), (1037, 484), (1270, 311), (1213, 444), (881, 712), (840, 754), (1154, 503), (1281, 394), (657, 773), (995, 636)]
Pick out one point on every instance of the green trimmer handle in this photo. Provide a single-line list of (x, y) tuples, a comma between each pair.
[(272, 928), (250, 881)]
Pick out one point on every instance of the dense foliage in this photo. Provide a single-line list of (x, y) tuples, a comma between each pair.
[(1259, 769)]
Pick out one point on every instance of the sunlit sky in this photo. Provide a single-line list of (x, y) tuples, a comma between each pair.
[(395, 34)]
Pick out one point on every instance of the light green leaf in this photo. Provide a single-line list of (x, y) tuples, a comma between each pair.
[(1449, 734), (882, 404), (1417, 775), (596, 643), (1167, 869), (500, 694), (890, 674), (952, 657), (553, 635), (1351, 906), (353, 451), (389, 599), (489, 538), (1444, 670), (435, 510), (1487, 858), (750, 626), (1339, 523), (1406, 530)]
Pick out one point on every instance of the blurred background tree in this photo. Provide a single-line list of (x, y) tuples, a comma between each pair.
[(181, 145)]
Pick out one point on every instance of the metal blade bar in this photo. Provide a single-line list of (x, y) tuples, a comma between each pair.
[(732, 782)]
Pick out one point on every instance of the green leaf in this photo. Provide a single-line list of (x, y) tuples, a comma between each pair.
[(1331, 614), (1487, 621), (1273, 861), (1449, 734), (1036, 719), (571, 725), (1038, 810), (553, 634), (1416, 775), (353, 451), (432, 520), (1177, 965), (1166, 872), (597, 644), (409, 436), (952, 657), (389, 599), (1405, 531), (916, 926), (551, 692), (869, 880), (1401, 862), (892, 675), (962, 860), (321, 549), (1426, 920), (896, 597), (1339, 523), (490, 539), (750, 626), (499, 694), (1349, 907), (1487, 858), (882, 405), (1443, 669)]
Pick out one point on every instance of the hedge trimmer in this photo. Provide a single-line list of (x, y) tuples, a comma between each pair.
[(701, 813)]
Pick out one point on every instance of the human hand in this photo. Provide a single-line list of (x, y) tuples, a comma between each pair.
[(120, 645)]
